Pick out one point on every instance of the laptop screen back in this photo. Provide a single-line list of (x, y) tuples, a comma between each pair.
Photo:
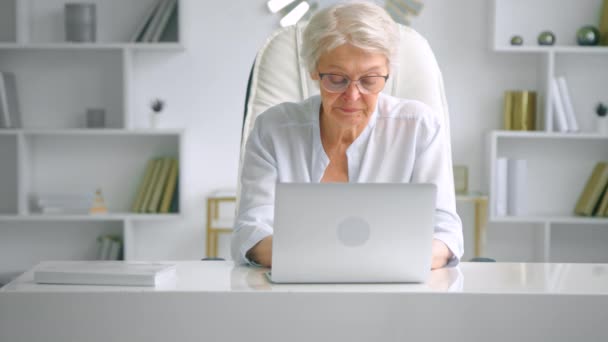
[(352, 233)]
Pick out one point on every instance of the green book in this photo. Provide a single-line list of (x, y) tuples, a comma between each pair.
[(603, 207), (174, 208), (588, 201), (169, 188), (604, 24), (142, 186), (150, 186), (159, 185)]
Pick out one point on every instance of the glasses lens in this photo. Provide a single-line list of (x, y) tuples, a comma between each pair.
[(366, 85), (372, 84), (335, 83)]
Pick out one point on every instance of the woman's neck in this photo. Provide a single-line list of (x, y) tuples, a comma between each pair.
[(335, 136)]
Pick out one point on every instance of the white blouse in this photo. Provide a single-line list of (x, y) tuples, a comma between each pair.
[(402, 143)]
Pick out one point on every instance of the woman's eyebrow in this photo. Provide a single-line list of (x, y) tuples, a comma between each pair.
[(371, 69)]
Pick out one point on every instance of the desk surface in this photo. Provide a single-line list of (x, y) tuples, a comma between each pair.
[(471, 278), (215, 301)]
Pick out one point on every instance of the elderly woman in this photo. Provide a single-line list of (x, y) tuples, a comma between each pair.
[(351, 132)]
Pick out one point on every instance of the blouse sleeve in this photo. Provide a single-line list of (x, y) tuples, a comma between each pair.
[(434, 165), (254, 218)]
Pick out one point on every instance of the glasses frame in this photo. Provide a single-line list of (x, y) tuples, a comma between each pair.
[(361, 89)]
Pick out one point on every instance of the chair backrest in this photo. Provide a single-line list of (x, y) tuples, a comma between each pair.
[(278, 75)]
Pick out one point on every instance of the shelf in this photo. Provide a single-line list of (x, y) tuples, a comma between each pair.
[(94, 46), (9, 131), (553, 49), (551, 219), (86, 217), (107, 132), (548, 135)]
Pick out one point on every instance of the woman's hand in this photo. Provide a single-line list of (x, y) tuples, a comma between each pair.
[(441, 254), (261, 252)]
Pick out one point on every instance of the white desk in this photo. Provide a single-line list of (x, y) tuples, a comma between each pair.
[(215, 301)]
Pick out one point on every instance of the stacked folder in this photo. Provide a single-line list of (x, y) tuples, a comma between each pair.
[(158, 190)]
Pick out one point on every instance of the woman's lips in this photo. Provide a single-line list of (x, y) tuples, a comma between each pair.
[(349, 110)]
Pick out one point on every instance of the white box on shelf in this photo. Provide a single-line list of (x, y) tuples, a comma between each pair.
[(564, 93), (517, 173), (559, 111), (501, 186)]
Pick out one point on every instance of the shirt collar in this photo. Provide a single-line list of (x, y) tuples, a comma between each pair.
[(354, 151)]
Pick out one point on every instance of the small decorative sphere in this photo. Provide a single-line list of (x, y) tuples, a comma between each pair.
[(601, 110), (517, 40), (588, 36), (546, 38)]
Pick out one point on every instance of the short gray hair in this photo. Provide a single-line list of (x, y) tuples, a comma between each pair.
[(362, 24)]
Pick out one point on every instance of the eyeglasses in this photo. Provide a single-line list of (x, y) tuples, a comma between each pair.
[(334, 83)]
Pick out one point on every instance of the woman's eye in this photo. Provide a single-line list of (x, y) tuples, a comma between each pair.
[(337, 79), (368, 81)]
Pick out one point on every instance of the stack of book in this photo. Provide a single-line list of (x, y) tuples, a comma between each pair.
[(64, 203), (593, 201), (159, 24), (109, 247), (158, 190), (563, 111), (118, 273), (10, 115)]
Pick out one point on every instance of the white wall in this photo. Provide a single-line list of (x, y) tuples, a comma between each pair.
[(205, 90)]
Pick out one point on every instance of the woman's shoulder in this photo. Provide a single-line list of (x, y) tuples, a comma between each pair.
[(391, 107), (289, 113)]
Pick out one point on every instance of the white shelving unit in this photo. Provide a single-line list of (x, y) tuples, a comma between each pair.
[(54, 152), (558, 164)]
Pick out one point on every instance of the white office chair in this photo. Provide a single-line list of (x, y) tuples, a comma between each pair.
[(278, 75)]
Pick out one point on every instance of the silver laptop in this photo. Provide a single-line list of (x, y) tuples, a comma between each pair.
[(352, 233)]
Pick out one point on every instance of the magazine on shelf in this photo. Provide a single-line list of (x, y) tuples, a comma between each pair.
[(120, 273)]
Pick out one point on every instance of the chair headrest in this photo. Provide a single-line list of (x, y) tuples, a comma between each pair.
[(279, 75)]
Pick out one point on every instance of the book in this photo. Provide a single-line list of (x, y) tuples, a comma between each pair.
[(142, 186), (169, 188), (163, 21), (120, 273), (596, 184), (5, 121), (517, 170), (150, 186), (155, 21), (603, 206), (604, 24), (567, 104), (145, 22), (501, 186), (10, 114), (561, 123), (115, 247), (159, 185), (104, 243), (174, 208), (171, 31)]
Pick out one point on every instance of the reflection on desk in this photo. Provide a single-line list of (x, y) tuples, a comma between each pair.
[(255, 279), (498, 278)]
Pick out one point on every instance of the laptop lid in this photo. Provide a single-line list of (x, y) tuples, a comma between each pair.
[(352, 233)]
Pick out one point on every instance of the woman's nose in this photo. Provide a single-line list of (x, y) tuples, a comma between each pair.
[(352, 93)]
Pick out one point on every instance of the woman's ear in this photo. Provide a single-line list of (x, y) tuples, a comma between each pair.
[(314, 75)]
